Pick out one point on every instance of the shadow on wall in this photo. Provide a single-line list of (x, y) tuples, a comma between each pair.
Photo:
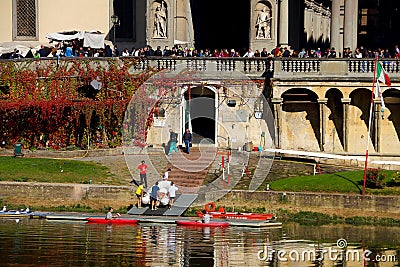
[(361, 98), (304, 100), (392, 102), (335, 106)]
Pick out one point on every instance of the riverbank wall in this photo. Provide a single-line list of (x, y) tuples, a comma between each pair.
[(389, 205), (39, 194)]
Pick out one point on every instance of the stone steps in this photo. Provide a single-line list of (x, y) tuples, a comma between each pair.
[(188, 171)]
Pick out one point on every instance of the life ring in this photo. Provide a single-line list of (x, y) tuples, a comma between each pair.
[(210, 206)]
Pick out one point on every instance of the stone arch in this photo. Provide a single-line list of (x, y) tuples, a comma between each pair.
[(302, 116), (299, 95), (334, 104), (259, 32)]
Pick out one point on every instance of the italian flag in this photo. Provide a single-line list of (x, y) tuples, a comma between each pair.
[(381, 74), (382, 77)]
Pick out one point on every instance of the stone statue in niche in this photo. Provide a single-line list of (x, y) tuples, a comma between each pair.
[(160, 21), (263, 24)]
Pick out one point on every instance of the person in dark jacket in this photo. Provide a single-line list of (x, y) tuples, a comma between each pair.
[(187, 139), (108, 51)]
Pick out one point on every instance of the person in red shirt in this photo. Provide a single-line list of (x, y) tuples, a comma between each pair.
[(143, 173)]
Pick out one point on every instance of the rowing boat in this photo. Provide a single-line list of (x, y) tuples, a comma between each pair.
[(113, 221), (15, 213), (201, 224)]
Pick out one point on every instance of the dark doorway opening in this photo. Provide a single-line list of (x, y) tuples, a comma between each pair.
[(125, 10), (200, 103), (221, 24), (203, 128)]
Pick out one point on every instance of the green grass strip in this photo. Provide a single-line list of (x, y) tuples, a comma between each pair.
[(51, 170)]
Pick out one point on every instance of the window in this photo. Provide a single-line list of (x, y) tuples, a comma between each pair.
[(25, 19)]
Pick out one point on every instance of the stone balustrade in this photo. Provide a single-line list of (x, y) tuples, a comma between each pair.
[(282, 68), (328, 69)]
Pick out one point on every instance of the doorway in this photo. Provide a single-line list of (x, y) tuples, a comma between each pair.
[(200, 113)]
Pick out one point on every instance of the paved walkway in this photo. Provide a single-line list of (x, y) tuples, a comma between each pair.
[(339, 159)]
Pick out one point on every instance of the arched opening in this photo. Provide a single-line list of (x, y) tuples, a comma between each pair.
[(392, 102), (299, 96), (199, 114)]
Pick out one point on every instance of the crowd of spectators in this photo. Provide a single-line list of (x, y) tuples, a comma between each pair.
[(278, 51), (75, 49), (360, 52)]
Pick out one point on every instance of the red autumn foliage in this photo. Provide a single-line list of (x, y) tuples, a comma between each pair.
[(50, 104)]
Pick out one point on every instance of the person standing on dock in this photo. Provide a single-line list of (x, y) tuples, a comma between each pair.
[(166, 174), (139, 194), (172, 194), (154, 196), (143, 173)]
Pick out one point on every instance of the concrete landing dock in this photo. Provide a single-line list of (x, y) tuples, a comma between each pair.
[(162, 220)]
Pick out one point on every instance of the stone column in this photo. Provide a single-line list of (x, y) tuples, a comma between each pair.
[(307, 22), (277, 103), (346, 103), (317, 24), (350, 23), (284, 22), (322, 121), (335, 26), (183, 25)]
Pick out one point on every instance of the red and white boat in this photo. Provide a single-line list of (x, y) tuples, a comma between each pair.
[(222, 214), (239, 215)]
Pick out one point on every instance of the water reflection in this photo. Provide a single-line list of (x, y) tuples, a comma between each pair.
[(52, 243)]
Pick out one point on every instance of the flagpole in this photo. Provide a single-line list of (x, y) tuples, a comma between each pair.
[(369, 125)]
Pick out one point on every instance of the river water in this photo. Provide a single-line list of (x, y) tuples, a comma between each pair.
[(34, 242)]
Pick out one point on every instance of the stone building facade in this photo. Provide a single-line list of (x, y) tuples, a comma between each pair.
[(207, 24)]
